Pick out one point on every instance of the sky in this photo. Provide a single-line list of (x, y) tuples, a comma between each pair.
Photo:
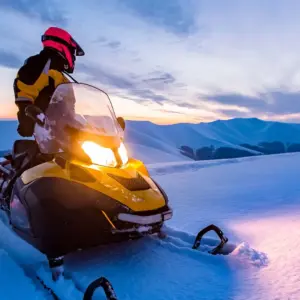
[(168, 61)]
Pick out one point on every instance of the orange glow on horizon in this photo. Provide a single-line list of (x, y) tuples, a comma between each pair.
[(10, 111), (164, 121), (12, 115)]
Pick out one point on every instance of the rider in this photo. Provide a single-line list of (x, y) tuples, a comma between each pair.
[(42, 73)]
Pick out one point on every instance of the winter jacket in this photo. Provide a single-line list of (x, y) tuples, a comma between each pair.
[(35, 83)]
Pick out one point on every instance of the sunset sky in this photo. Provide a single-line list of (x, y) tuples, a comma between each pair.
[(169, 61)]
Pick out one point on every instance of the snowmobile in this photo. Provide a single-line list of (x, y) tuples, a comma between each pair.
[(74, 186)]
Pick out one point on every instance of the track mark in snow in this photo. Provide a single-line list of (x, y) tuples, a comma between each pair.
[(147, 269), (181, 240), (63, 287)]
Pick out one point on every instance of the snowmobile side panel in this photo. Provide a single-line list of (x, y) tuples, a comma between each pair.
[(66, 216), (19, 211), (126, 185)]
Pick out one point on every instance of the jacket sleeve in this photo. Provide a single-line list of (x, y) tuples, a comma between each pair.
[(32, 77)]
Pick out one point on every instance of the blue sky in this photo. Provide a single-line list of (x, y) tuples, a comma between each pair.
[(171, 60)]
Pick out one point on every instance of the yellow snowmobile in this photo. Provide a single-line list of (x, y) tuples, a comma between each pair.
[(74, 186)]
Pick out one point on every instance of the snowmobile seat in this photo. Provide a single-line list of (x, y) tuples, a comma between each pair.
[(8, 156), (23, 153)]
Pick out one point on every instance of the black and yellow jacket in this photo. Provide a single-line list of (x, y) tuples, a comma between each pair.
[(35, 83)]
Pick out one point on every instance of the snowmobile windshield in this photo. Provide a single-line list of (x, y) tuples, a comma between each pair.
[(77, 112)]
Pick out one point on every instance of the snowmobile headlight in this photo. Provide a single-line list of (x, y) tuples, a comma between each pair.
[(123, 154), (104, 156), (99, 155)]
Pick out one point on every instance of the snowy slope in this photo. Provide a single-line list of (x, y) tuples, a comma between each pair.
[(254, 200), (151, 155)]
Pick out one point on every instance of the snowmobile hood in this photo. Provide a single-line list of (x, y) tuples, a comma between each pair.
[(131, 186)]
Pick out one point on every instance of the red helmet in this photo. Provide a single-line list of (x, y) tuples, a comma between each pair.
[(64, 44)]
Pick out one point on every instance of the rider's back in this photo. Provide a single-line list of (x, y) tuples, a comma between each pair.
[(35, 83)]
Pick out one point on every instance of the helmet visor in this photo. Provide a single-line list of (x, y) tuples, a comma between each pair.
[(79, 50)]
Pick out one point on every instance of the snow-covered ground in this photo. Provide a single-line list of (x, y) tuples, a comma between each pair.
[(14, 282), (256, 201)]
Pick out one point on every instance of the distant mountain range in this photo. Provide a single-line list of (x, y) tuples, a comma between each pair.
[(219, 139), (160, 143)]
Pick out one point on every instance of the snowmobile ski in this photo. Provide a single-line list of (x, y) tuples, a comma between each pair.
[(183, 240), (223, 239), (105, 284)]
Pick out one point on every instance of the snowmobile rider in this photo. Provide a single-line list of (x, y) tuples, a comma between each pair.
[(42, 73)]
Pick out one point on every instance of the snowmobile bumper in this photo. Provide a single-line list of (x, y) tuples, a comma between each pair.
[(136, 225)]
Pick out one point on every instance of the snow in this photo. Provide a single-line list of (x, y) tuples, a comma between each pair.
[(11, 273), (256, 202), (151, 155)]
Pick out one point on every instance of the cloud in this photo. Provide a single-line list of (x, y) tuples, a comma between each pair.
[(230, 113), (48, 11), (129, 87), (161, 78), (242, 58), (114, 44), (10, 60), (175, 15), (107, 43), (148, 95), (103, 76), (271, 103)]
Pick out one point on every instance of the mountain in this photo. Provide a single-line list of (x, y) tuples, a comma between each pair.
[(241, 134), (165, 143), (218, 133)]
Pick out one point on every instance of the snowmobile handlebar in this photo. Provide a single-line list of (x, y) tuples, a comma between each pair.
[(35, 113)]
